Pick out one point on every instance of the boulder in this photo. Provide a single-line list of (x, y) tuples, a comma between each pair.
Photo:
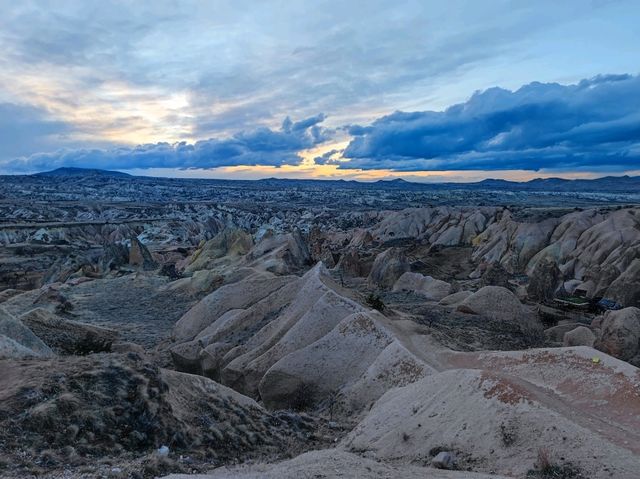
[(556, 333), (444, 460), (427, 286), (580, 336), (186, 356), (620, 334), (388, 267)]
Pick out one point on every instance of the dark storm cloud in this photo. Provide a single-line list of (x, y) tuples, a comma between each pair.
[(261, 146), (24, 128), (595, 123)]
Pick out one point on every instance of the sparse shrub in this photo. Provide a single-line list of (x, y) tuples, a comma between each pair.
[(375, 302), (302, 399), (170, 271), (508, 436), (546, 468)]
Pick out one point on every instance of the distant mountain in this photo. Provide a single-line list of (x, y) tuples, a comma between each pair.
[(69, 171), (606, 184)]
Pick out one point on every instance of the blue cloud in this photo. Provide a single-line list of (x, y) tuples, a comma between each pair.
[(326, 158), (24, 128), (592, 124), (261, 146)]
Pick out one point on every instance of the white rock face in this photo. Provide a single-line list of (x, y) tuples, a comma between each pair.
[(597, 250), (432, 289), (510, 396), (316, 337), (19, 341)]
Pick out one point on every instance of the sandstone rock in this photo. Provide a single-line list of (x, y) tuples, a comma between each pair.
[(68, 337), (280, 253), (625, 289), (432, 412), (14, 329), (10, 349), (8, 294), (139, 255), (228, 244), (620, 334), (544, 281), (127, 347), (186, 356), (500, 304), (351, 264), (332, 464), (495, 275), (237, 295), (556, 333), (580, 336), (455, 298), (427, 286), (355, 355), (388, 267)]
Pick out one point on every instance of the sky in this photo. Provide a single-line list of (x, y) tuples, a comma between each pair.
[(423, 90)]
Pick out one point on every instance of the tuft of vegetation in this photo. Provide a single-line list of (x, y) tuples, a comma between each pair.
[(303, 398), (375, 302), (546, 468), (170, 271), (507, 435)]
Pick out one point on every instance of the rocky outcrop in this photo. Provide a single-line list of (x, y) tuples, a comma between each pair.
[(139, 255), (264, 345), (228, 244), (544, 281), (431, 288), (68, 337), (280, 253), (495, 275), (620, 334), (18, 341), (499, 412), (502, 305), (580, 336), (388, 267), (333, 464)]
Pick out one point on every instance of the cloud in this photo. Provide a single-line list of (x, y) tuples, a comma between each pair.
[(261, 146), (24, 129), (327, 158), (592, 124)]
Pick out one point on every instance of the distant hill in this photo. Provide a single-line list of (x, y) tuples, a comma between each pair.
[(607, 184), (70, 171)]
